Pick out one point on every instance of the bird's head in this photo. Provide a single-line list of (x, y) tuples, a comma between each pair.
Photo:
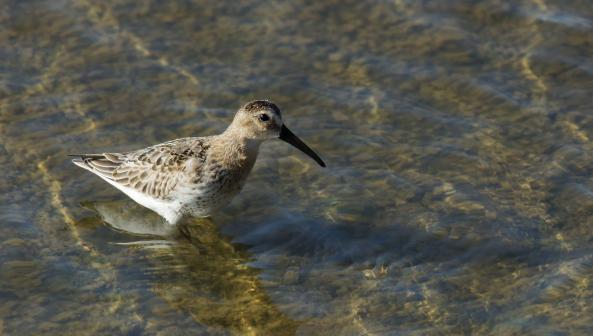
[(262, 120)]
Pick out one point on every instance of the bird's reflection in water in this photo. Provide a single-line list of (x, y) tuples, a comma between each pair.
[(198, 271)]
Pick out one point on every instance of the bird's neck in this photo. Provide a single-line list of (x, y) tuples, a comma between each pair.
[(237, 150)]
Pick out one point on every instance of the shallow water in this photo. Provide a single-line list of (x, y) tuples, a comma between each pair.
[(458, 196)]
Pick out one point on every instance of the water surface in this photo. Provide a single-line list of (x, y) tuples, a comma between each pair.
[(458, 196)]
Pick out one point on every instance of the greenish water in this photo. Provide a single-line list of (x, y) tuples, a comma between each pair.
[(458, 197)]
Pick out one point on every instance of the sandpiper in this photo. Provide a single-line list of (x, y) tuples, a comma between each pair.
[(194, 176)]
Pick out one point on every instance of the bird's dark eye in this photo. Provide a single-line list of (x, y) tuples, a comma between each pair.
[(263, 117)]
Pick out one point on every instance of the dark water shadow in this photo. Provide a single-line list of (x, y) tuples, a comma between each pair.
[(295, 234), (331, 271)]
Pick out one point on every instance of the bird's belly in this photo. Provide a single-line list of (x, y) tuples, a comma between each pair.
[(167, 209), (209, 197)]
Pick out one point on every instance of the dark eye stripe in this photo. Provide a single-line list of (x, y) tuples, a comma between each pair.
[(263, 117)]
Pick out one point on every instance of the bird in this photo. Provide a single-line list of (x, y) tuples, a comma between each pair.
[(194, 176)]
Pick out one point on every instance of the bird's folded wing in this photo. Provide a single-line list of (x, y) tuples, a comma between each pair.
[(154, 171)]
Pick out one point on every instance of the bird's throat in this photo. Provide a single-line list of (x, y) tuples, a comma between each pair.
[(236, 151)]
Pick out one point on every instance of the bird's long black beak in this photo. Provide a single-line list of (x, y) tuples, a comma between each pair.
[(288, 136)]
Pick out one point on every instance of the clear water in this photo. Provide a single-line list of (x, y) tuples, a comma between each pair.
[(458, 197)]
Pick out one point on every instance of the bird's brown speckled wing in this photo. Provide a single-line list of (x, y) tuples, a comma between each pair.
[(155, 171)]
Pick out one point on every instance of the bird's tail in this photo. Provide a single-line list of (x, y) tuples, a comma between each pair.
[(82, 159)]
